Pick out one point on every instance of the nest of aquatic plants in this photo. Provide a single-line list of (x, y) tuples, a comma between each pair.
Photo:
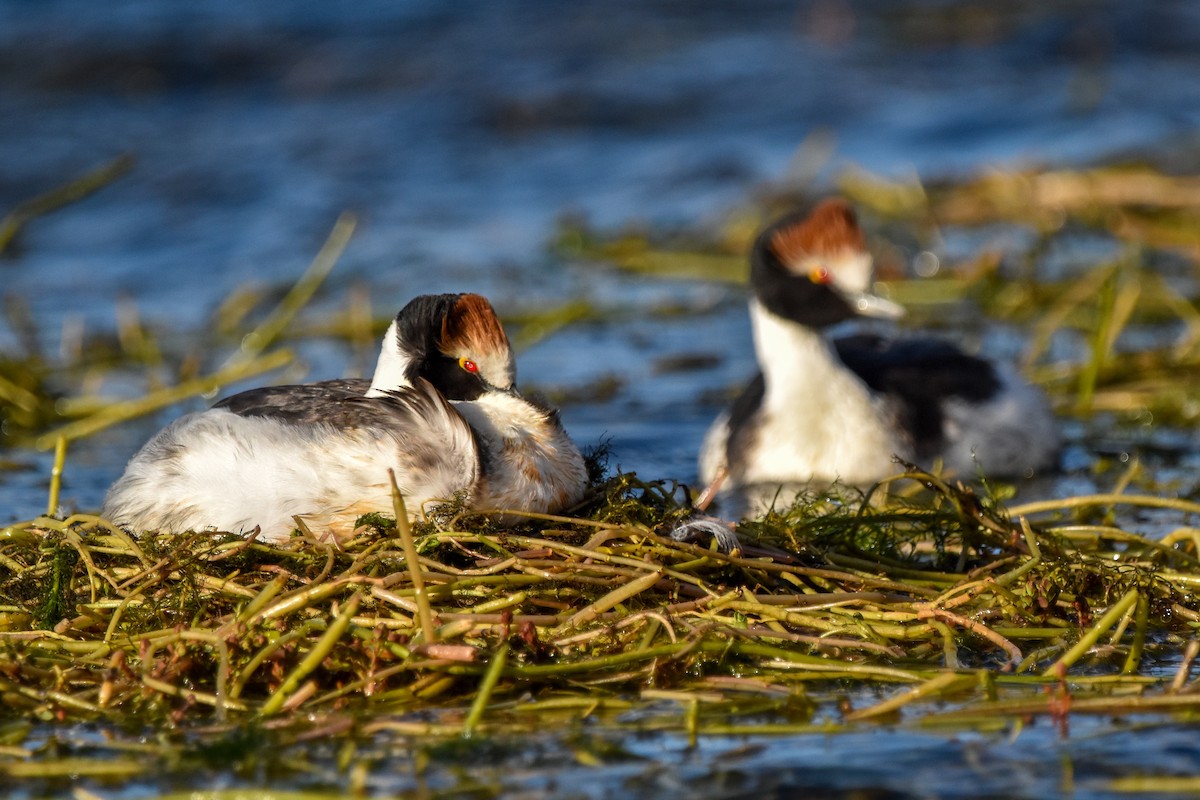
[(934, 587)]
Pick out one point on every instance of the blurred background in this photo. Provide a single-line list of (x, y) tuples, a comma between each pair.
[(471, 137)]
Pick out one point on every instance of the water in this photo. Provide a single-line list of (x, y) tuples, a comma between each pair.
[(1030, 761), (460, 132)]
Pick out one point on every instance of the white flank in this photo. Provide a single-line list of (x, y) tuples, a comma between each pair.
[(217, 470)]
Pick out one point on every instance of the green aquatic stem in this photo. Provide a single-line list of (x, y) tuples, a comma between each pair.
[(319, 652), (486, 687), (268, 593), (56, 472), (1154, 785), (238, 684), (259, 339), (87, 184), (940, 685), (612, 599), (1100, 343), (413, 562), (536, 327), (18, 396), (1093, 635), (162, 398), (74, 769), (1106, 704), (1140, 622), (1088, 501)]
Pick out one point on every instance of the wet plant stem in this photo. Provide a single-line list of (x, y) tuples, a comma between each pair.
[(319, 653), (122, 412), (56, 472), (255, 342), (486, 687), (1093, 635), (413, 562), (83, 186)]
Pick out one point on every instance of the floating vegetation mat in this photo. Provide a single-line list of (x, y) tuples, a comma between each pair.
[(958, 612)]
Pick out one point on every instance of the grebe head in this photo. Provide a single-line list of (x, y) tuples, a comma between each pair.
[(815, 269), (455, 341)]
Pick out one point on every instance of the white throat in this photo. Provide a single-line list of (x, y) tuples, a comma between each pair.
[(801, 370), (391, 369)]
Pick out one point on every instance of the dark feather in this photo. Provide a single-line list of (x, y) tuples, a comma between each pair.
[(918, 375), (342, 404), (741, 432), (305, 404)]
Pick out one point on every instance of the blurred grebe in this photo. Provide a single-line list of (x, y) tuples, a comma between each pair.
[(827, 409), (441, 410)]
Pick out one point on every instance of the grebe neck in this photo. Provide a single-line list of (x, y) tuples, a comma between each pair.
[(392, 368), (799, 365)]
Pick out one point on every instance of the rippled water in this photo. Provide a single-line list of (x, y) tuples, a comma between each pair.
[(460, 132), (1030, 761)]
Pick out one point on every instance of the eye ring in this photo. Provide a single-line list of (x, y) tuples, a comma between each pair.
[(468, 365), (819, 274)]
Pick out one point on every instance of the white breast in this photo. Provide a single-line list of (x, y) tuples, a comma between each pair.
[(818, 421)]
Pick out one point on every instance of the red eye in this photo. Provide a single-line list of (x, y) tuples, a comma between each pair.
[(819, 275), (468, 365)]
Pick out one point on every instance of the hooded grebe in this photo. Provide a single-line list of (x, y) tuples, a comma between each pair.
[(441, 411), (823, 410)]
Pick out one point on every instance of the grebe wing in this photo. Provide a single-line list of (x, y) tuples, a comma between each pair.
[(927, 369), (437, 453), (741, 431), (301, 403), (436, 445), (918, 376)]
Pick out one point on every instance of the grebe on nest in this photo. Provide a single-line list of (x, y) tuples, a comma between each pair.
[(441, 411), (839, 409)]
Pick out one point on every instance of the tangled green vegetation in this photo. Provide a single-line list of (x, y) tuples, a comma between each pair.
[(977, 618), (922, 601)]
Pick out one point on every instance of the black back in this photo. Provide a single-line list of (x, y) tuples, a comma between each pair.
[(919, 375), (418, 330)]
